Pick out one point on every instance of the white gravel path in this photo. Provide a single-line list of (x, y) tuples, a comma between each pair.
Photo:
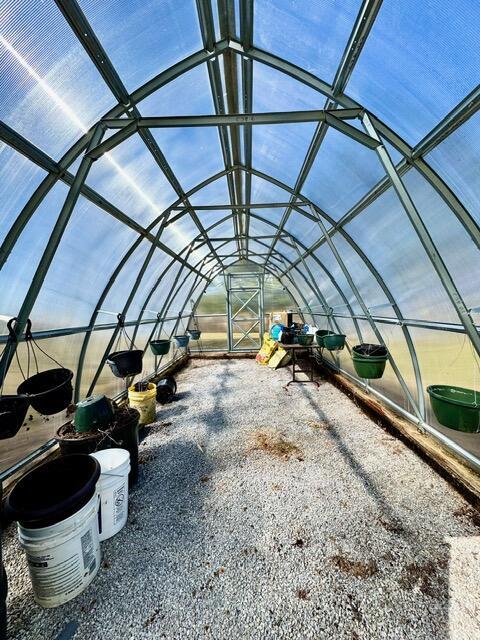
[(347, 539)]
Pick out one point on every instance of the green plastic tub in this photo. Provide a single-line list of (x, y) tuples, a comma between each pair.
[(369, 368), (456, 407), (334, 341), (160, 347), (95, 412), (320, 335), (305, 339)]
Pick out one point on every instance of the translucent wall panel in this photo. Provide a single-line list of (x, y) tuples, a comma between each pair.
[(385, 234), (275, 296), (342, 173), (312, 38), (89, 251), (159, 263), (51, 92), (165, 290), (418, 62), (37, 429), (17, 273), (123, 285), (144, 38), (275, 91), (18, 180), (329, 261), (363, 278), (456, 247), (457, 161), (170, 99), (447, 358), (107, 382), (193, 153), (130, 179), (279, 150)]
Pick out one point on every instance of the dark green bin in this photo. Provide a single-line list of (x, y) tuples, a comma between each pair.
[(456, 407), (320, 334), (369, 368), (334, 341), (160, 347)]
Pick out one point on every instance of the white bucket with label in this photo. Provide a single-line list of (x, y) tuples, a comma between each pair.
[(113, 487), (63, 558)]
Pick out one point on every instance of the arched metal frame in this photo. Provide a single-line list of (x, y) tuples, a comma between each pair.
[(229, 47)]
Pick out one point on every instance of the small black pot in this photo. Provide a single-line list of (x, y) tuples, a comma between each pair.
[(50, 391), (13, 410), (166, 390), (126, 363)]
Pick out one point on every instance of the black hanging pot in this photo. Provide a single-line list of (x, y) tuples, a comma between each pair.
[(49, 391), (126, 363), (13, 410), (288, 336)]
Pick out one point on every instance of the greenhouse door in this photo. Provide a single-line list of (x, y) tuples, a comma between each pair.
[(245, 311)]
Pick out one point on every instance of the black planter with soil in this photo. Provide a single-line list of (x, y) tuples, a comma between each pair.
[(122, 432)]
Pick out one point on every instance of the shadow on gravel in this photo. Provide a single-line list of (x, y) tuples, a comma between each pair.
[(423, 575)]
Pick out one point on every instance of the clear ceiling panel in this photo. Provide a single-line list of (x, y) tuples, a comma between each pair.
[(312, 37), (215, 192), (342, 173), (275, 91), (193, 153), (50, 90), (142, 38), (170, 99), (130, 179), (155, 286), (457, 161), (223, 230), (304, 229), (279, 150), (419, 61), (180, 233), (264, 191)]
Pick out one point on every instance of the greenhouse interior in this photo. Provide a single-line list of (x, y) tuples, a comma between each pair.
[(240, 314)]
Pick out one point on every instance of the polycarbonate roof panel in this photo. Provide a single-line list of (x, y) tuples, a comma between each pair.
[(193, 153), (180, 233), (275, 91), (144, 37), (189, 94), (342, 173), (266, 191), (89, 251), (279, 150), (304, 229), (312, 35), (154, 287), (50, 90), (18, 180), (457, 161), (223, 230), (214, 193), (129, 177), (419, 61)]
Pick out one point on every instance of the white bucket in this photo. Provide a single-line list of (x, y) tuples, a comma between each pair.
[(64, 558), (113, 487)]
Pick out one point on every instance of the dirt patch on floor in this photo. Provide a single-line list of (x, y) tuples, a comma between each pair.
[(468, 513), (275, 444), (426, 577), (355, 568)]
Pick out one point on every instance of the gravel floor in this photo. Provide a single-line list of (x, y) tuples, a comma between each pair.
[(346, 536)]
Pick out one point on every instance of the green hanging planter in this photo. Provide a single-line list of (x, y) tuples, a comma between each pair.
[(334, 341), (369, 360), (194, 334), (160, 347), (320, 335), (456, 407), (305, 339), (93, 413)]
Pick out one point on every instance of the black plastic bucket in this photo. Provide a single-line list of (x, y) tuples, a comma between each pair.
[(126, 363), (126, 437), (13, 410), (166, 389), (53, 491), (49, 391)]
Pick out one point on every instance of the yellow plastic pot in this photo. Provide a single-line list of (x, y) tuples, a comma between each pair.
[(144, 402)]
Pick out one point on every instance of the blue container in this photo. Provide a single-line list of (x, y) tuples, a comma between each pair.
[(182, 341)]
